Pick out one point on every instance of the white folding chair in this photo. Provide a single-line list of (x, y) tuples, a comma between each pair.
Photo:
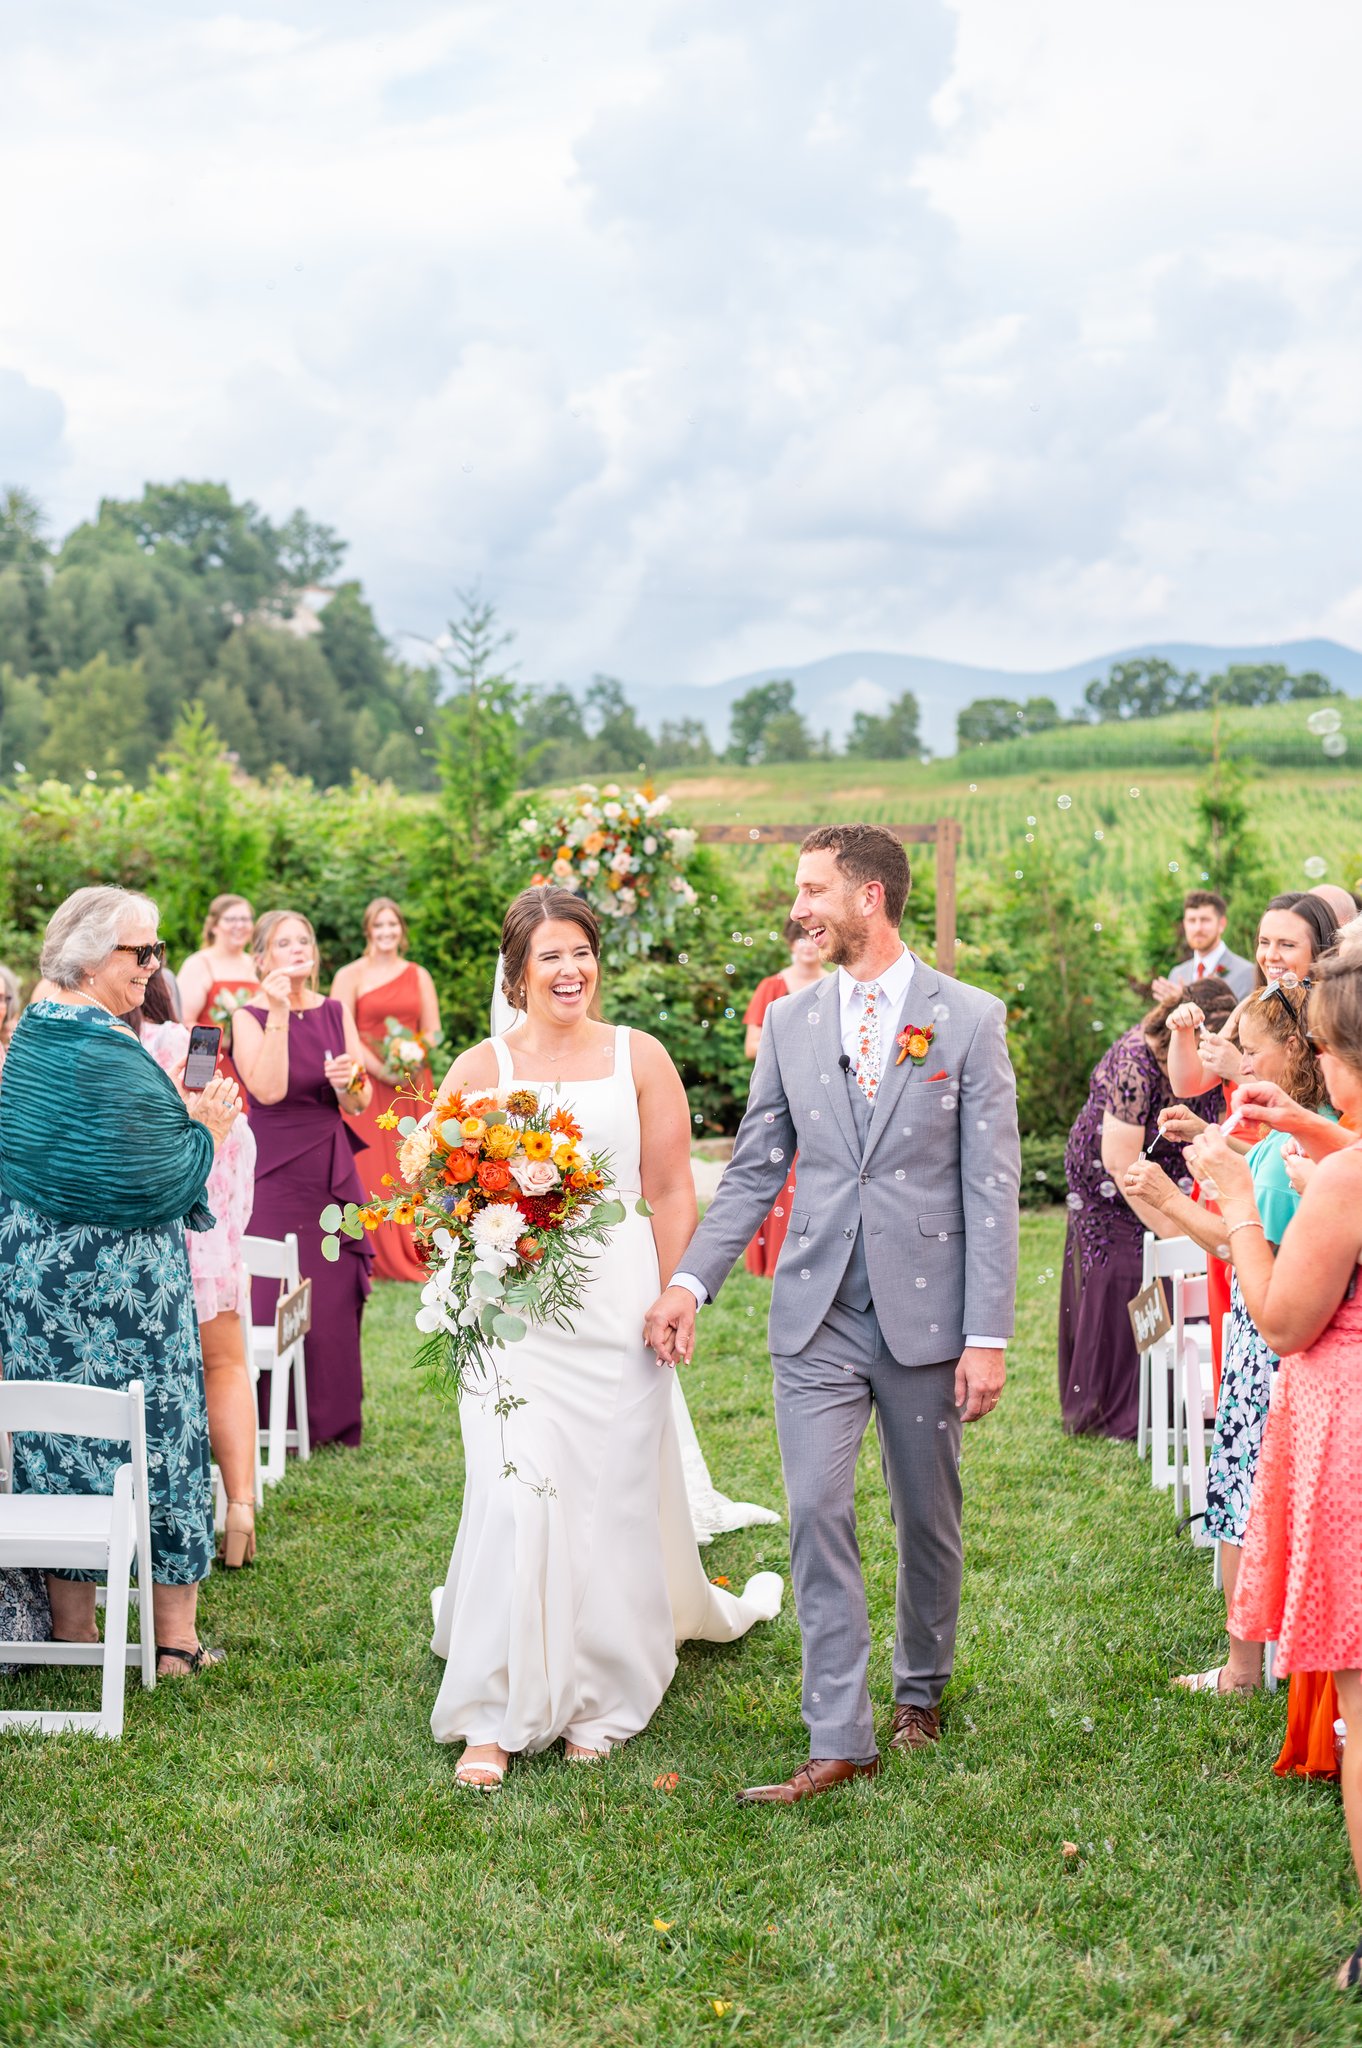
[(1195, 1389), (1164, 1257), (1191, 1345), (84, 1532), (270, 1258)]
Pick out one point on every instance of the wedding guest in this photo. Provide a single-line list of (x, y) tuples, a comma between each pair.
[(11, 1007), (102, 1167), (221, 976), (1099, 1366), (302, 1062), (221, 1287), (1300, 1574), (1205, 915), (1337, 901), (1272, 1040), (804, 972), (1294, 931), (383, 989)]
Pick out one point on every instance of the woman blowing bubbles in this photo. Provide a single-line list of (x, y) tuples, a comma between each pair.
[(1300, 1574)]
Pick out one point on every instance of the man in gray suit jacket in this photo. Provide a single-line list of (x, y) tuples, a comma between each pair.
[(894, 1291)]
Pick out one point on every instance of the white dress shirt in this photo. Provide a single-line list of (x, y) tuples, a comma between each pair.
[(893, 986), (1208, 962)]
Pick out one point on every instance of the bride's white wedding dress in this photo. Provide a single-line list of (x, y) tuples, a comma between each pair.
[(563, 1606)]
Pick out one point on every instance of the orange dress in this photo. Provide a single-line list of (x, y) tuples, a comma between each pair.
[(394, 1253), (764, 1249), (205, 1016), (1300, 1572)]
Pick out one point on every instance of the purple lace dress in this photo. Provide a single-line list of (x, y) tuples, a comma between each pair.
[(1099, 1367)]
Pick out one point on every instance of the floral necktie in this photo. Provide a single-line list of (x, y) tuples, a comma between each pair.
[(868, 1041)]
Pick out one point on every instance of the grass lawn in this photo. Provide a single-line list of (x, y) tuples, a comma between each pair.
[(278, 1854)]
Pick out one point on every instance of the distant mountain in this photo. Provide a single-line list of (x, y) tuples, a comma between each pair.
[(831, 690)]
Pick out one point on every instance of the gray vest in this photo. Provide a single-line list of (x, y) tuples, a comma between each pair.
[(855, 1288)]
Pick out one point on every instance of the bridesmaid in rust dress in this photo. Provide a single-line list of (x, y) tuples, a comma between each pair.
[(804, 972), (381, 984), (221, 976), (300, 1058)]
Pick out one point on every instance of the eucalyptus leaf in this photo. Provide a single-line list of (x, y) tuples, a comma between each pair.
[(451, 1130), (491, 1310), (406, 1125), (510, 1329), (609, 1212), (643, 1207), (493, 1116), (331, 1249), (486, 1286), (330, 1217)]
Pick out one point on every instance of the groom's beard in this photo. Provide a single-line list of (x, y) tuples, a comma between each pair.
[(842, 943)]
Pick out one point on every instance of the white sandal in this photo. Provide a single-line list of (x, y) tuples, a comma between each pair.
[(495, 1772), (1209, 1681), (587, 1756)]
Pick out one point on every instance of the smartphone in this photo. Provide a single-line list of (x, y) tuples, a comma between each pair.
[(202, 1063)]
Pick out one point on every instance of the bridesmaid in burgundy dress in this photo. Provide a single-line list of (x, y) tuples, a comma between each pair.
[(301, 1061), (381, 984)]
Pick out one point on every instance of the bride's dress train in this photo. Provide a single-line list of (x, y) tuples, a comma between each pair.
[(573, 1580)]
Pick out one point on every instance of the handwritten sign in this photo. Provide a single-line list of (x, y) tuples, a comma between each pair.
[(293, 1317), (1149, 1317)]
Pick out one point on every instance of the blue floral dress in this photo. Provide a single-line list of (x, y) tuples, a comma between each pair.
[(94, 1306)]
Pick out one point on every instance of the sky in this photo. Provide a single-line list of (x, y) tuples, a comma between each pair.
[(705, 337)]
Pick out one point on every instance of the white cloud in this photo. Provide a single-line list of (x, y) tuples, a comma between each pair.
[(713, 337)]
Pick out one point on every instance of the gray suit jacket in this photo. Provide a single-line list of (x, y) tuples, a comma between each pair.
[(1239, 975), (933, 1189)]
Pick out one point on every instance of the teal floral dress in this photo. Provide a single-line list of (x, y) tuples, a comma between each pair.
[(99, 1303)]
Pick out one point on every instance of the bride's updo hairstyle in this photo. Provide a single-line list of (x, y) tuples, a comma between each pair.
[(543, 904)]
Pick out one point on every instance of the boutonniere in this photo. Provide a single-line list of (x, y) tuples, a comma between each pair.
[(1222, 968), (913, 1043)]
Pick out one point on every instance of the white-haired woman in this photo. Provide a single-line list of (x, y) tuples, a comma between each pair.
[(102, 1168)]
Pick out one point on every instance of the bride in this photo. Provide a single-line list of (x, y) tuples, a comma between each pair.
[(574, 1578)]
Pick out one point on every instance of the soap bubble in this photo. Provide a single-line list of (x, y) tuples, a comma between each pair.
[(940, 1012), (803, 1244), (753, 832), (776, 1155), (813, 1016), (1074, 1201), (661, 1016), (804, 1272), (1133, 792), (813, 1116), (769, 1117), (1316, 868), (948, 1102), (729, 968), (1097, 927), (941, 1237), (1099, 835), (1172, 867), (736, 938), (824, 1079), (973, 788), (1065, 802), (1030, 821), (730, 1013), (989, 1222), (919, 1282), (1030, 838), (1326, 720), (1334, 744), (683, 959), (899, 1173), (1107, 1188), (1016, 874)]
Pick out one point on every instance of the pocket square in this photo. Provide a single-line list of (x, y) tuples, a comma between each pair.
[(942, 1076)]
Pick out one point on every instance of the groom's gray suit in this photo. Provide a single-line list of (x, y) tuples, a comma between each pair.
[(901, 1245)]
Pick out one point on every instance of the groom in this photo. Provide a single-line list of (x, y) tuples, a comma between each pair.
[(895, 1288)]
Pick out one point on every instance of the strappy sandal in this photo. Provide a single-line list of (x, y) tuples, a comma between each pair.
[(490, 1783), (1350, 1975), (194, 1661), (586, 1756), (1209, 1681)]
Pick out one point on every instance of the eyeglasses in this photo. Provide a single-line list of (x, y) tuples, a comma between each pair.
[(1275, 988), (1317, 1045), (156, 952)]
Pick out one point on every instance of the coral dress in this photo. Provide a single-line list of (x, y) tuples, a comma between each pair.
[(216, 991), (1300, 1574), (394, 1254)]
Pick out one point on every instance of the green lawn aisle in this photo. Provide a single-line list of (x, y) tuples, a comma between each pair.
[(279, 1855)]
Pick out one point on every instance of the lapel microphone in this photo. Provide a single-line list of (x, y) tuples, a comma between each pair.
[(845, 1062)]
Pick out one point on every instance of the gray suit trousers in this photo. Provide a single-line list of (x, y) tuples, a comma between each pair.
[(824, 1399)]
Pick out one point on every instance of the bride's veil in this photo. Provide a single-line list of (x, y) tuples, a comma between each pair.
[(711, 1512)]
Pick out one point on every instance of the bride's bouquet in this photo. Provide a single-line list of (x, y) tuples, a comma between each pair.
[(505, 1209)]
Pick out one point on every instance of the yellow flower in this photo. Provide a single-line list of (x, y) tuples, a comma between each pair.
[(388, 1120), (538, 1144), (500, 1142), (404, 1212), (721, 2005), (567, 1158), (662, 1926), (473, 1128), (565, 853)]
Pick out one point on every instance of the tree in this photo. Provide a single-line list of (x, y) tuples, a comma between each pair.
[(987, 719), (890, 735), (553, 737), (750, 714), (682, 743), (352, 644), (1145, 688), (786, 737), (621, 745), (97, 722), (308, 552), (476, 727)]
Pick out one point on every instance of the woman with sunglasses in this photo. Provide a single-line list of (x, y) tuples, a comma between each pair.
[(1272, 1043), (103, 1167), (1300, 1575)]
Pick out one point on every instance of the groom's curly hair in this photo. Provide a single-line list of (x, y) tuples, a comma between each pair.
[(867, 853)]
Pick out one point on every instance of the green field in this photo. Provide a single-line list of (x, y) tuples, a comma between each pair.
[(1142, 812), (277, 1854)]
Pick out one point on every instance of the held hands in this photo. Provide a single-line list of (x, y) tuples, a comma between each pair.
[(979, 1381), (217, 1106), (1148, 1183), (669, 1326)]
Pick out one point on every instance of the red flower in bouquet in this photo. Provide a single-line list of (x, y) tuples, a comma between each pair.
[(494, 1176), (460, 1167)]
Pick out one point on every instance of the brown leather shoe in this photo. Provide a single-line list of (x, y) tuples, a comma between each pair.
[(820, 1774), (915, 1727)]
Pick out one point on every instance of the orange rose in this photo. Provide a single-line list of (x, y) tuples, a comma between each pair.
[(460, 1168), (494, 1176)]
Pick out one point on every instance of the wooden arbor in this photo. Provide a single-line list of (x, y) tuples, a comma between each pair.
[(943, 834)]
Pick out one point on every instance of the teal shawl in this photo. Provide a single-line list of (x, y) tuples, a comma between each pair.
[(92, 1131)]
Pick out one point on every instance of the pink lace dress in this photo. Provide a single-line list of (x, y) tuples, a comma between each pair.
[(221, 1283)]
